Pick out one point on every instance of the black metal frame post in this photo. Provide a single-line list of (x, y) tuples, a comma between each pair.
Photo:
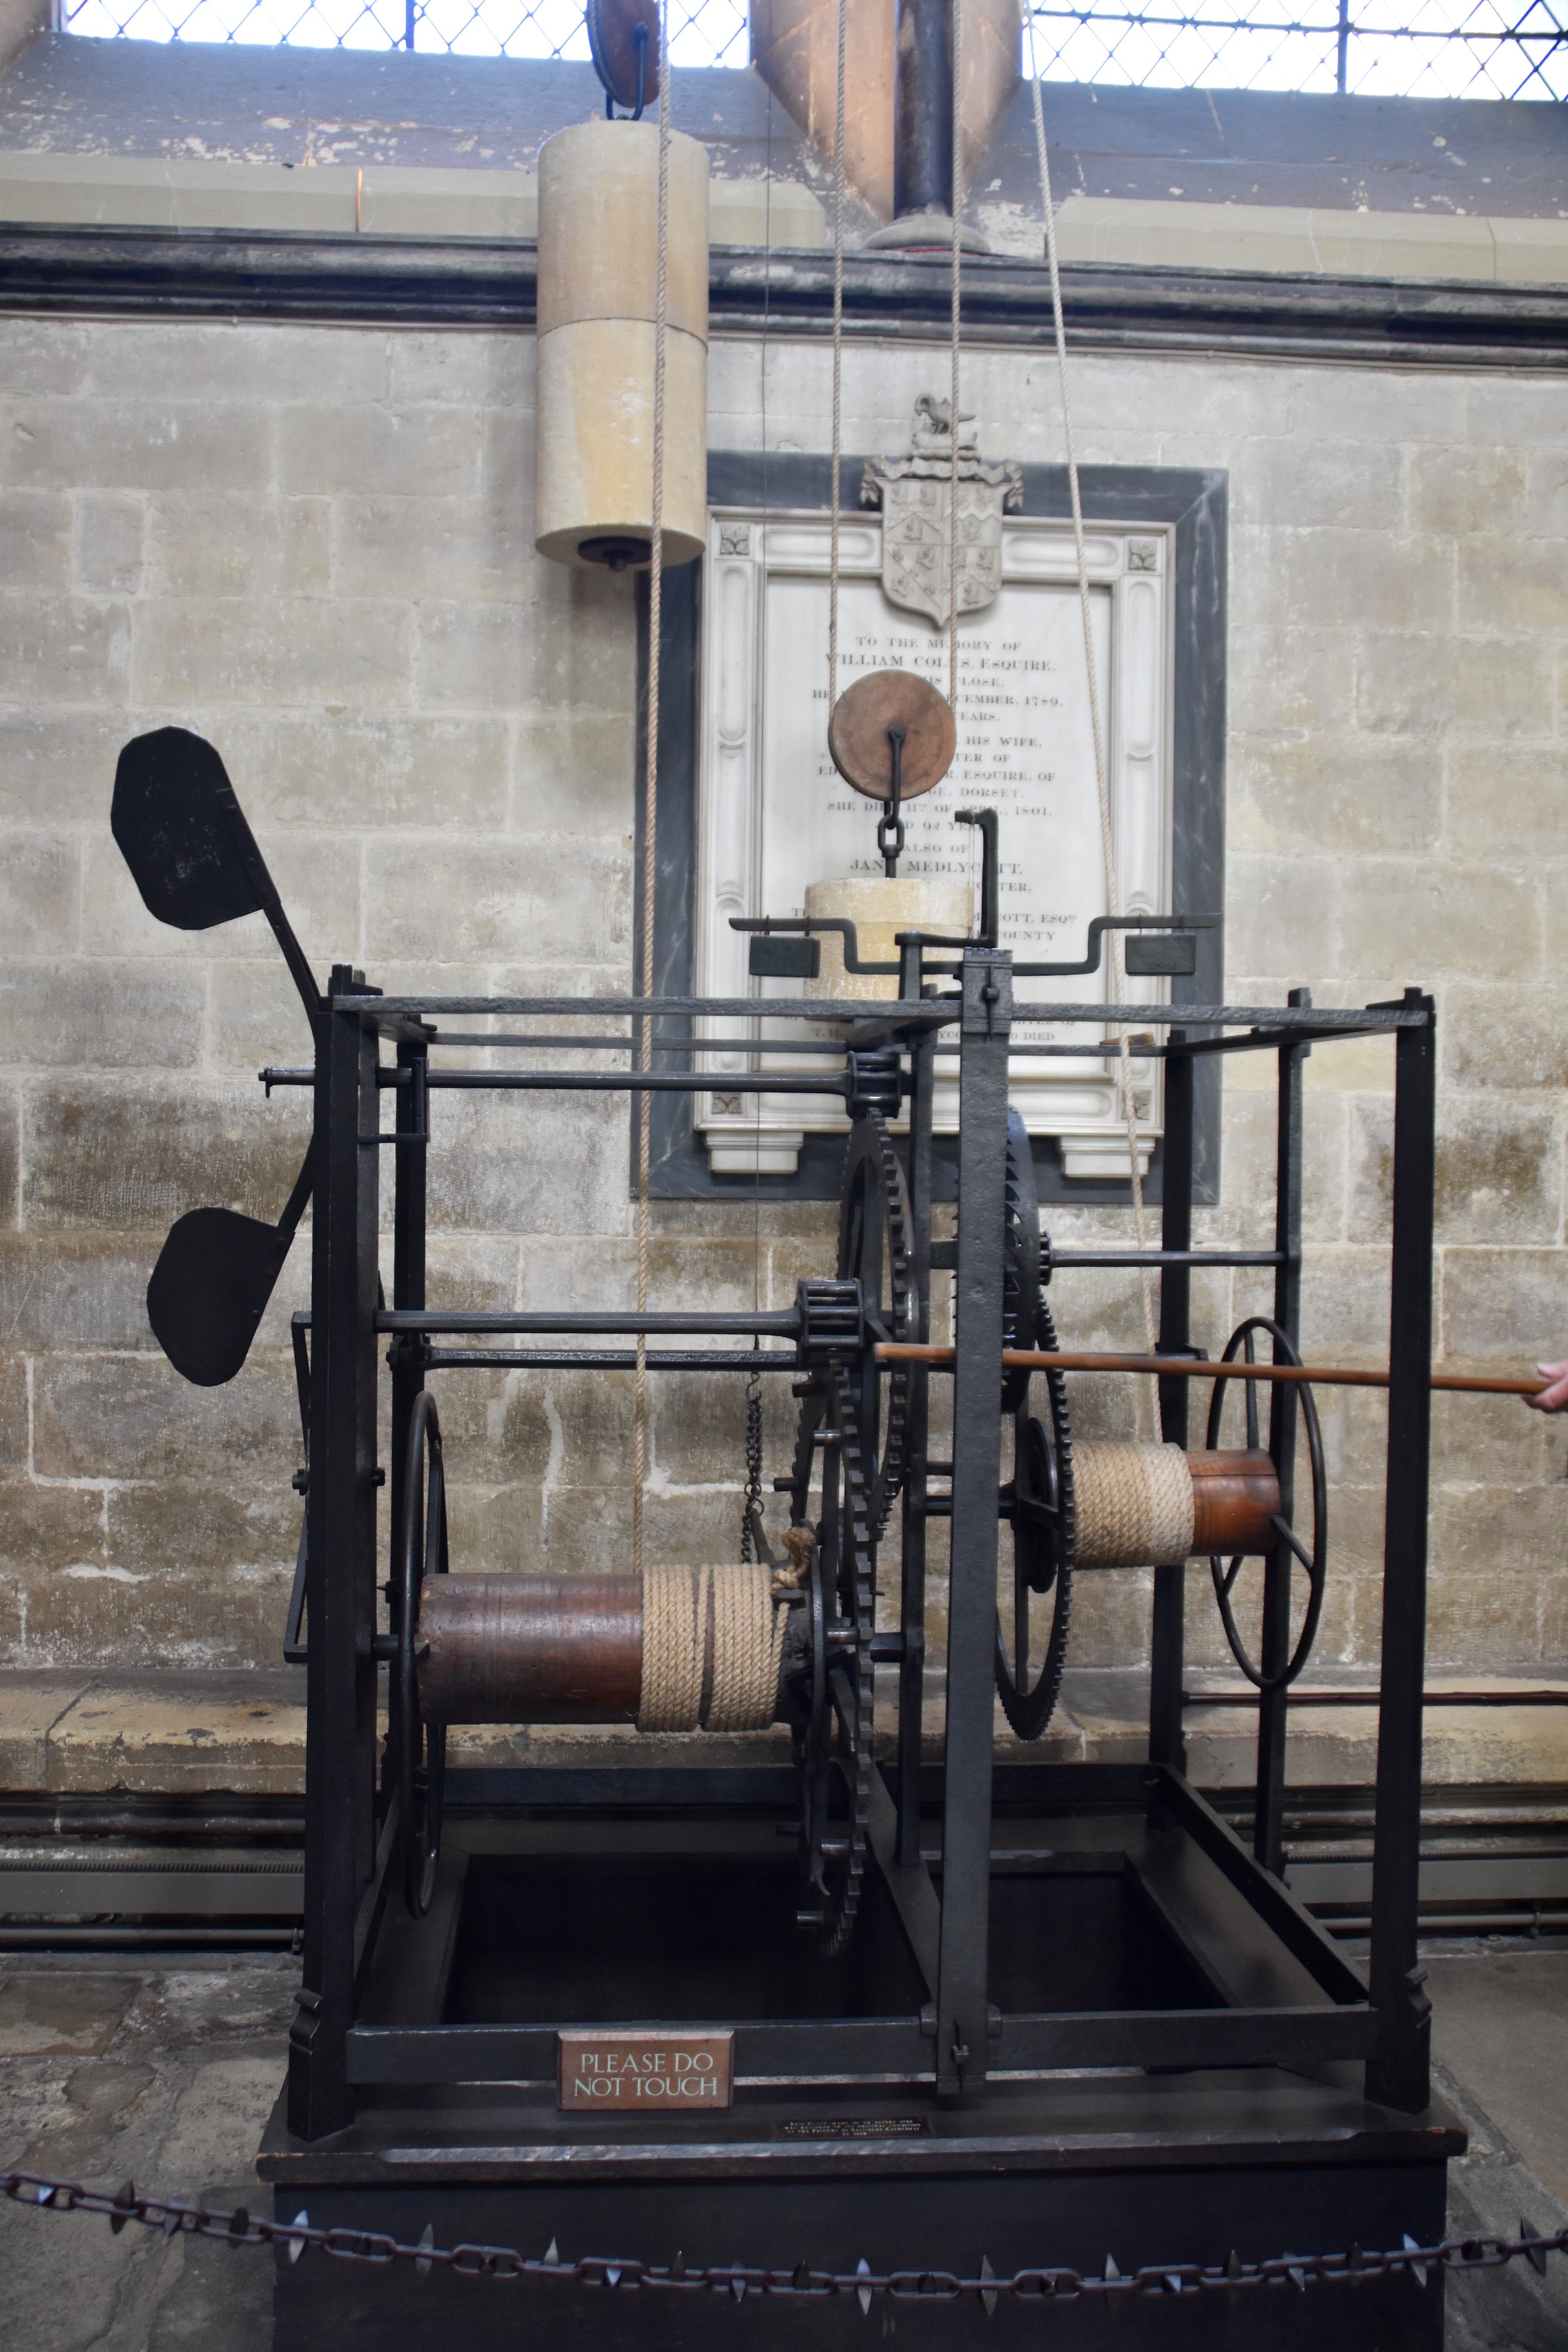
[(1284, 1408), (1400, 2074), (409, 1349), (912, 1594), (963, 1958), (340, 1747), (1167, 1644)]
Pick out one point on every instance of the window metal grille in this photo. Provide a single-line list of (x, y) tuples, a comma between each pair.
[(702, 32), (1374, 48), (1387, 49)]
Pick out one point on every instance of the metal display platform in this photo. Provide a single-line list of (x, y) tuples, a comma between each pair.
[(1122, 1917), (1097, 2019), (1039, 2013)]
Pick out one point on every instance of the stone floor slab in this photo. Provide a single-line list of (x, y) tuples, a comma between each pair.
[(1504, 2027), (45, 2015)]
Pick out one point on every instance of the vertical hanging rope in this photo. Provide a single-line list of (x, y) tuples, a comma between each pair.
[(953, 387), (838, 361), (651, 793), (1107, 844)]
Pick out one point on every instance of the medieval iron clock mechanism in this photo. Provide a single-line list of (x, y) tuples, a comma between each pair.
[(912, 1996)]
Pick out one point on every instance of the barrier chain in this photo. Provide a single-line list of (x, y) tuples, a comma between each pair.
[(172, 2216)]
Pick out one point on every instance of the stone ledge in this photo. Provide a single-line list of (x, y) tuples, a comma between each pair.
[(163, 1733), (71, 1733), (340, 199), (411, 201), (1289, 239)]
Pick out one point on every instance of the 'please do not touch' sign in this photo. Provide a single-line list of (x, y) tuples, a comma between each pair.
[(653, 2073)]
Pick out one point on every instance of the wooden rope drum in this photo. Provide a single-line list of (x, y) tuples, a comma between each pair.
[(677, 1649)]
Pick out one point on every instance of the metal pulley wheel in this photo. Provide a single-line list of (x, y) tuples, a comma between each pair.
[(1037, 1500), (418, 1748), (1314, 1561)]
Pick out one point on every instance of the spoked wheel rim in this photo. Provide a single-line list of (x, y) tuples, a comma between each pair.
[(420, 1747), (1314, 1561)]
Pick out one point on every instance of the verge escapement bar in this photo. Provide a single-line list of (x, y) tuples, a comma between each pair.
[(1343, 1376)]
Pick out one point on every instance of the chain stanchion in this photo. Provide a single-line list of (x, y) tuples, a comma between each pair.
[(1045, 2283)]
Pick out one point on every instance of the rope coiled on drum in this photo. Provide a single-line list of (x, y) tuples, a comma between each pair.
[(1133, 1505), (713, 1640)]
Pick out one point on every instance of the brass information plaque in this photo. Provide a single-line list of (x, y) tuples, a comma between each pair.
[(657, 2072)]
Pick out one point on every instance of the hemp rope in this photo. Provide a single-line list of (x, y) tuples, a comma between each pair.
[(650, 790), (953, 387), (713, 1640), (838, 364), (1133, 1505), (1114, 955)]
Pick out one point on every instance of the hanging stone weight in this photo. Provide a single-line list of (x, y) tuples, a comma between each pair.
[(598, 290), (881, 906)]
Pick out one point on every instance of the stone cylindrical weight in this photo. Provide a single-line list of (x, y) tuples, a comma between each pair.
[(598, 266), (879, 908)]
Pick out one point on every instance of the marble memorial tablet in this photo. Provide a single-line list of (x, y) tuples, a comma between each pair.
[(774, 815)]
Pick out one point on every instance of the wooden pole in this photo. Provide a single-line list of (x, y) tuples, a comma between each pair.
[(1340, 1376)]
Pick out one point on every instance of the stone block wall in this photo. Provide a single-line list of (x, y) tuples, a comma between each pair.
[(315, 546)]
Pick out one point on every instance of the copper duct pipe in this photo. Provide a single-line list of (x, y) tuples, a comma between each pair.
[(1328, 1376)]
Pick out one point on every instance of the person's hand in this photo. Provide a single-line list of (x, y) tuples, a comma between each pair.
[(1553, 1398)]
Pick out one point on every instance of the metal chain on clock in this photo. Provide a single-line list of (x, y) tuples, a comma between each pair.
[(175, 2216), (752, 1501)]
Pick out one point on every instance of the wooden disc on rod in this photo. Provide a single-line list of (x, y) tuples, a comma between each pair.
[(858, 738)]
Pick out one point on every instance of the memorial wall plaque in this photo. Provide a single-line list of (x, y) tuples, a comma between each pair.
[(773, 815)]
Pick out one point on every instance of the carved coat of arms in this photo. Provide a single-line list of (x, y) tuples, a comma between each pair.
[(914, 493)]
